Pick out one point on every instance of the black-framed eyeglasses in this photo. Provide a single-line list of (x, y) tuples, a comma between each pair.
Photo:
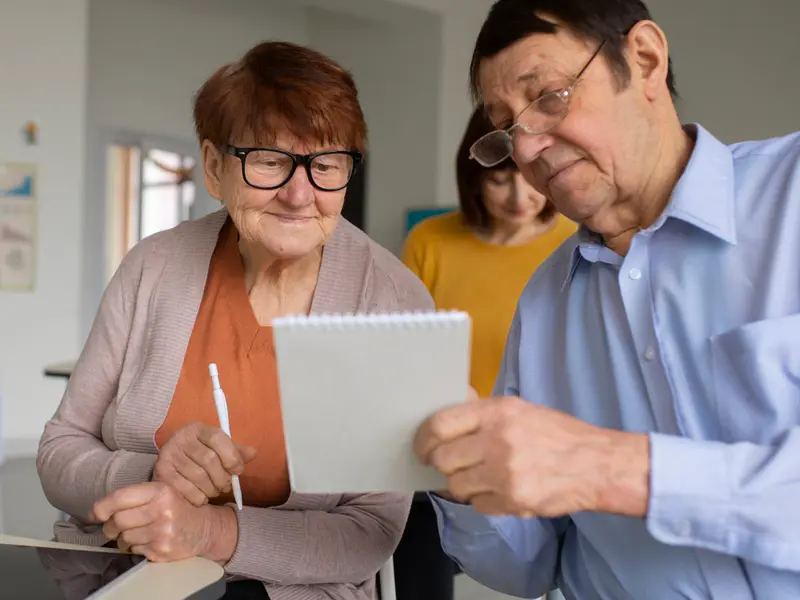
[(272, 168), (540, 116)]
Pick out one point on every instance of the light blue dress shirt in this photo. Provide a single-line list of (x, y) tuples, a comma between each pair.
[(694, 337)]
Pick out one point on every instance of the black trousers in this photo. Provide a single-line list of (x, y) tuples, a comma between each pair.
[(247, 589), (422, 571)]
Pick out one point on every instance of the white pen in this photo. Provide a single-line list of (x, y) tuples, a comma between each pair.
[(222, 412)]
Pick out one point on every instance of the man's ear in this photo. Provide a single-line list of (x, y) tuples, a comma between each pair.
[(648, 56), (213, 166)]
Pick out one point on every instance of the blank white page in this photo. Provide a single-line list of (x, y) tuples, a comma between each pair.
[(354, 390)]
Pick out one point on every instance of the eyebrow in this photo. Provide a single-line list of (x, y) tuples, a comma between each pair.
[(536, 74)]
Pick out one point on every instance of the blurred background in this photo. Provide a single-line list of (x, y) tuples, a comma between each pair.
[(95, 108)]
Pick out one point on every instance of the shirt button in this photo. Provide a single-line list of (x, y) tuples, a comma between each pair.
[(635, 274), (649, 354)]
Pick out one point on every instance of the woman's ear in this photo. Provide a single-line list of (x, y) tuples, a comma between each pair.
[(213, 167)]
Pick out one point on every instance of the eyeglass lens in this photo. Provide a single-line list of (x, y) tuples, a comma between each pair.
[(267, 168), (539, 117)]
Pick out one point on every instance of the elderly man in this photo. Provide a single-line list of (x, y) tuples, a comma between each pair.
[(645, 438)]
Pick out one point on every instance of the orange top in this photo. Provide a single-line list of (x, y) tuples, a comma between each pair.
[(227, 333)]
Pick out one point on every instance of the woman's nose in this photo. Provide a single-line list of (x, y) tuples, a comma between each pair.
[(298, 191), (519, 190)]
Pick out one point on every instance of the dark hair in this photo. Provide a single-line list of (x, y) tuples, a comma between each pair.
[(609, 21), (470, 175), (280, 86)]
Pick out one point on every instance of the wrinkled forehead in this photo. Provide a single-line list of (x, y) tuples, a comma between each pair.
[(539, 62)]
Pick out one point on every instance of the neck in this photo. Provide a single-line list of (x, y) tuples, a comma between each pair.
[(512, 234), (283, 277), (667, 157)]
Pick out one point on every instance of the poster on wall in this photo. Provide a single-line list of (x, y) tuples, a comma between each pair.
[(17, 227)]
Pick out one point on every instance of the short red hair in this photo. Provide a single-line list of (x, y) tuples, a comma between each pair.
[(278, 86)]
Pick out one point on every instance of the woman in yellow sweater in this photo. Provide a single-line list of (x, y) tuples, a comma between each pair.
[(479, 258)]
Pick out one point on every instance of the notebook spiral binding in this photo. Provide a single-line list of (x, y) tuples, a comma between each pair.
[(401, 320)]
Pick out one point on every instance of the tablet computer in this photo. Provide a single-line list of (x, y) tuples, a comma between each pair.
[(40, 570), (28, 572)]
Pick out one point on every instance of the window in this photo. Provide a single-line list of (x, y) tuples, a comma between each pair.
[(149, 190)]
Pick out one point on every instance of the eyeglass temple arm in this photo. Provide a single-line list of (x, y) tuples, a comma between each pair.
[(589, 62)]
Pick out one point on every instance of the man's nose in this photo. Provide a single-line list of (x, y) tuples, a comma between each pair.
[(528, 146)]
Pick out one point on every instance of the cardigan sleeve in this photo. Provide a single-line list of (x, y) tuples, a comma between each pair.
[(75, 466), (346, 544)]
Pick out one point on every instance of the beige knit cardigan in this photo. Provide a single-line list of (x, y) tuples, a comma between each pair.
[(101, 438)]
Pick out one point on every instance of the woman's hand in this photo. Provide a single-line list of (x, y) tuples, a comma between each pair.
[(198, 462), (156, 521)]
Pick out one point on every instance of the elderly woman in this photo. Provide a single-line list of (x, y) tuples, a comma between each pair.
[(133, 452)]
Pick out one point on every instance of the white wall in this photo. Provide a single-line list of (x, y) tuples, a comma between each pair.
[(461, 22), (736, 64), (146, 60), (396, 67), (43, 77)]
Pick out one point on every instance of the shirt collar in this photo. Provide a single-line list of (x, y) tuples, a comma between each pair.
[(703, 197)]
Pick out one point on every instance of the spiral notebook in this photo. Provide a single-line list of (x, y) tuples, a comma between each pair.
[(354, 390)]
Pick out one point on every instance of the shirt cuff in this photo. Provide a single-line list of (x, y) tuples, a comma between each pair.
[(462, 517), (689, 490)]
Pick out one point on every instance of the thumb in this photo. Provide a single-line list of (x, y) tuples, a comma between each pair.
[(248, 452), (472, 395)]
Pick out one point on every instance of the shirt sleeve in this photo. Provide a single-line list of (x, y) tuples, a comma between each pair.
[(739, 496), (511, 555), (736, 499)]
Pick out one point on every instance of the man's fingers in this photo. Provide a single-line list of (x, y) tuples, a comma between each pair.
[(497, 505), (444, 426), (469, 483), (124, 499), (462, 453), (226, 451), (489, 504)]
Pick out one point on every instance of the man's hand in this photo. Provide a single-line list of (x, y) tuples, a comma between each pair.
[(198, 461), (154, 520), (508, 456)]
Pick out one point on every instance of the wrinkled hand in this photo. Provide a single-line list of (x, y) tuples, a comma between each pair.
[(155, 520), (199, 461), (508, 456)]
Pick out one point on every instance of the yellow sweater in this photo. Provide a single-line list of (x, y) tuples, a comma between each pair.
[(464, 273)]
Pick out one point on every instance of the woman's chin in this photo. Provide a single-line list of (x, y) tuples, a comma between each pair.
[(289, 245)]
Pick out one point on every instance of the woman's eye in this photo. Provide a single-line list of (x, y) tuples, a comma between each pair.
[(323, 168)]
